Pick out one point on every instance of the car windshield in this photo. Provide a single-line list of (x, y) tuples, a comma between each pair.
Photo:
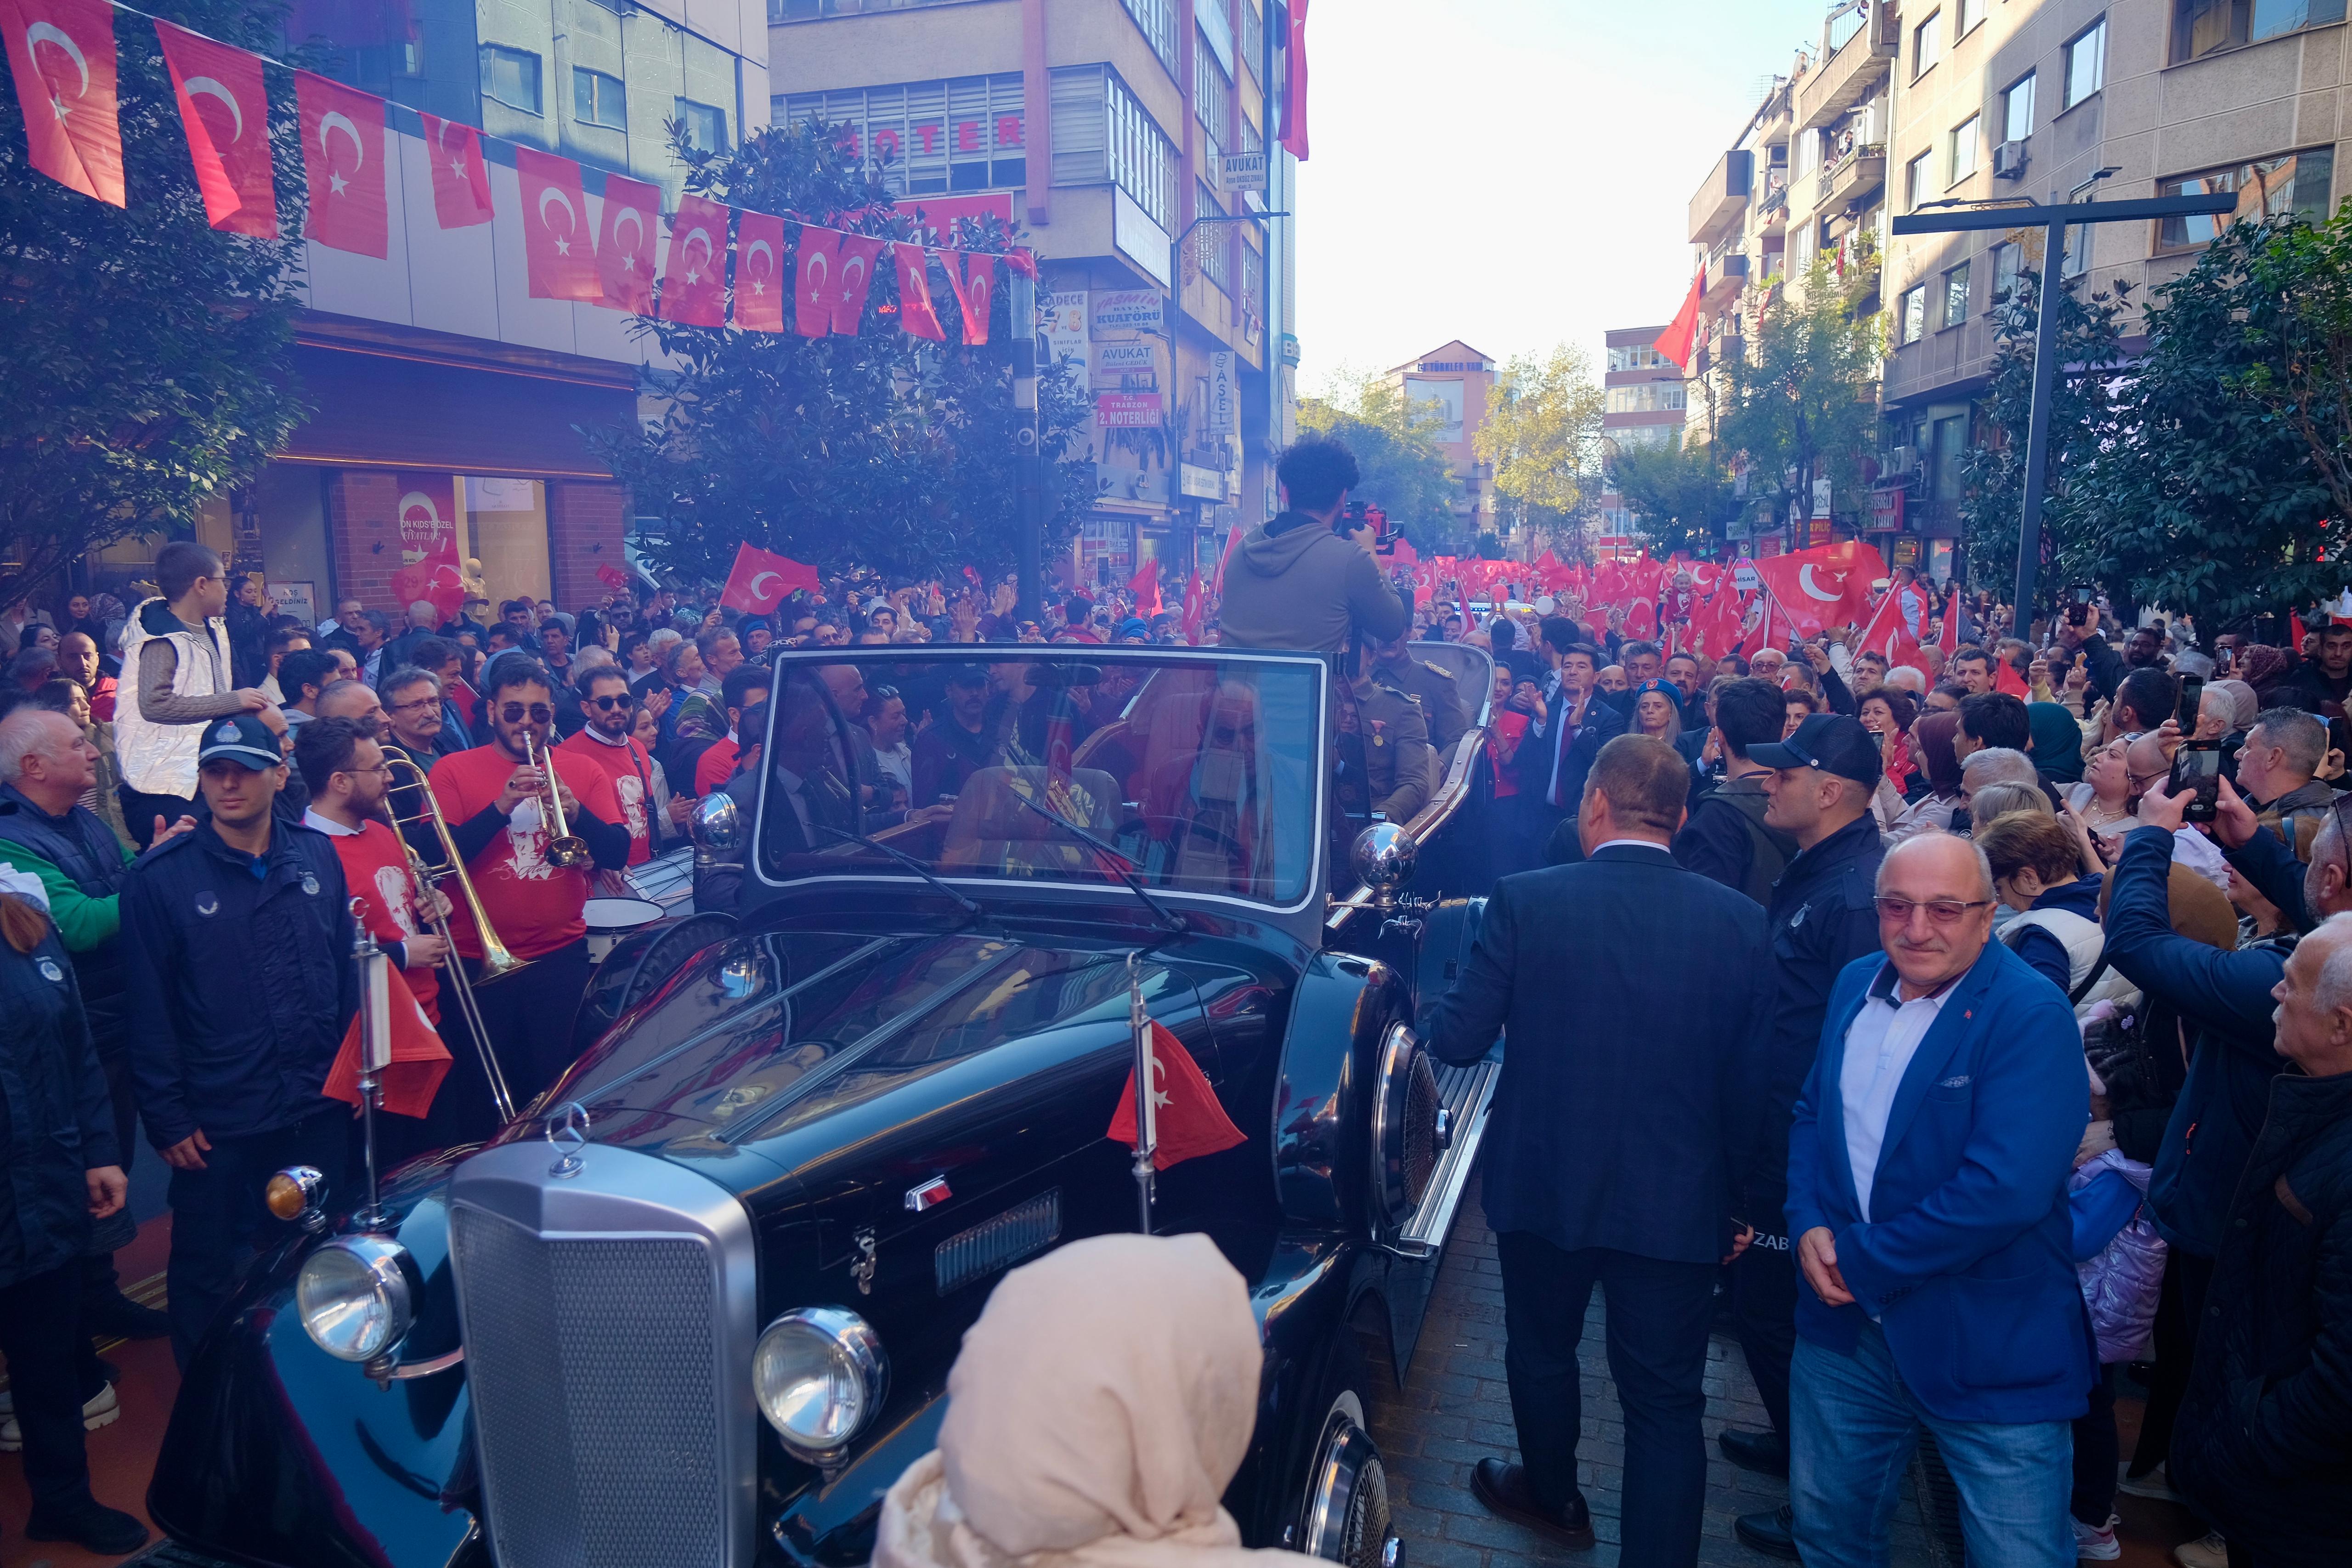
[(1198, 771)]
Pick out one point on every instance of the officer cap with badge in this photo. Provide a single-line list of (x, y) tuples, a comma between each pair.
[(241, 738)]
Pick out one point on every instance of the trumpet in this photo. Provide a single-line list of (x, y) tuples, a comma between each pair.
[(564, 847), (496, 960)]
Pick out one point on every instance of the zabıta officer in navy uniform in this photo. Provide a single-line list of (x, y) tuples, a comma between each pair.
[(237, 944)]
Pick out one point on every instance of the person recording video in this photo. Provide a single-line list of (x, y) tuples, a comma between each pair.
[(1306, 580)]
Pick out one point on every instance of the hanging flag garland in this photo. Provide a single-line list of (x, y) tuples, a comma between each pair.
[(855, 268), (225, 113), (813, 288), (694, 284), (461, 175), (342, 159), (556, 252), (916, 315), (61, 53), (759, 272), (625, 245)]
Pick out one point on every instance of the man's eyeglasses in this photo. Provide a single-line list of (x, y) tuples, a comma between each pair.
[(609, 703), (1942, 912), (419, 705), (538, 713)]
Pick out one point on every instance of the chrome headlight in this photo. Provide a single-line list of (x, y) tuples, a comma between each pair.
[(820, 1375), (355, 1298)]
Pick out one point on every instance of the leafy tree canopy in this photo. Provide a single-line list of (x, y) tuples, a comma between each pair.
[(1397, 447), (1542, 434), (1799, 403)]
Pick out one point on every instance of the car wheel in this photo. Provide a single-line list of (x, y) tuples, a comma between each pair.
[(1343, 1511)]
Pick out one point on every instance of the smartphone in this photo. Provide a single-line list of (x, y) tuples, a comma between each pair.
[(2078, 612), (2192, 693), (2197, 766)]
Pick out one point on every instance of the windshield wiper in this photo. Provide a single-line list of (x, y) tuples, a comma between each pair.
[(1118, 863), (971, 909)]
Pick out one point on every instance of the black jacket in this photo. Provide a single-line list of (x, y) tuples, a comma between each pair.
[(241, 980), (56, 1122), (1603, 724), (1725, 840), (1821, 918), (1594, 1143), (82, 847), (2264, 1440)]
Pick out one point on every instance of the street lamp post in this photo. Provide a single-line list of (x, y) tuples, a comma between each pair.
[(2053, 218)]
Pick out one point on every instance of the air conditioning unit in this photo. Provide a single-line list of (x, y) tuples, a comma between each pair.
[(1900, 462), (2009, 161)]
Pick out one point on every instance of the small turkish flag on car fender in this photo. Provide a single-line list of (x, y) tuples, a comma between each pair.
[(761, 578), (1185, 1109), (419, 1061)]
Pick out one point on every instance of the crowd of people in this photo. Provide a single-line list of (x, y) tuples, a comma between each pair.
[(2001, 1070)]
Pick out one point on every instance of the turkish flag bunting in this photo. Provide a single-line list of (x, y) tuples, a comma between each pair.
[(694, 284), (1679, 341), (852, 278), (461, 179), (813, 287), (759, 272), (1827, 585), (971, 277), (624, 244), (761, 578), (557, 251), (419, 1061), (916, 315), (1196, 608), (61, 53), (226, 116), (1145, 588), (342, 159), (1185, 1113)]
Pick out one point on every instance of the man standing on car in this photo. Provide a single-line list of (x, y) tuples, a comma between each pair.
[(1296, 582)]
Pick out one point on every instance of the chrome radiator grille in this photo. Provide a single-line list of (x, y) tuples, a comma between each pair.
[(610, 1430)]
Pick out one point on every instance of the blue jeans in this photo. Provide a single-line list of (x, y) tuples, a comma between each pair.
[(1853, 1428)]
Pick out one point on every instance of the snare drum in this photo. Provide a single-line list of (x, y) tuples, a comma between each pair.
[(610, 920)]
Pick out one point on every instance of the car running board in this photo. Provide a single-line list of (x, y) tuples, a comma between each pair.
[(1467, 1093)]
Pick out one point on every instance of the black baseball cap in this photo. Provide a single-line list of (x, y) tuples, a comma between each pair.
[(241, 738), (1832, 742), (966, 674)]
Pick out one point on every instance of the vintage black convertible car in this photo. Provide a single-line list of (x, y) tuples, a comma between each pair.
[(696, 1307)]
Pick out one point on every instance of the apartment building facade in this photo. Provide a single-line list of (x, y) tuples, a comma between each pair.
[(1103, 129), (1453, 383), (1644, 403)]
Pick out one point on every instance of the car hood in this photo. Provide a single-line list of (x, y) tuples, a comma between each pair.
[(758, 1039)]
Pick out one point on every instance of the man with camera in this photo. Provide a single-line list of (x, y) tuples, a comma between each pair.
[(1309, 579)]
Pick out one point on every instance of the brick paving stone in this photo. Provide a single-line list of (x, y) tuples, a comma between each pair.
[(1455, 1409)]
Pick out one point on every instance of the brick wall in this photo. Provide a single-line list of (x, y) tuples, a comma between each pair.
[(364, 537), (585, 525)]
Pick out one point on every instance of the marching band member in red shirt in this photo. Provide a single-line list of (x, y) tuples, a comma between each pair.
[(607, 744), (495, 806)]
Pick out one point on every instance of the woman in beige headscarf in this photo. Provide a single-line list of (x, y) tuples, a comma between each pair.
[(1099, 1408)]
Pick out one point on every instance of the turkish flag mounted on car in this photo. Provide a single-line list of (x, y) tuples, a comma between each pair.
[(761, 578), (1185, 1112), (226, 116), (342, 159), (61, 53), (1827, 585), (461, 179), (558, 254), (419, 1061)]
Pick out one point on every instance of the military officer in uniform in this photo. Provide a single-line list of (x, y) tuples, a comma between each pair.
[(1400, 770), (1427, 683)]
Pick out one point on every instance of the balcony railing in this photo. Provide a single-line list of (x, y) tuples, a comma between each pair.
[(1722, 197), (1845, 76), (1861, 170)]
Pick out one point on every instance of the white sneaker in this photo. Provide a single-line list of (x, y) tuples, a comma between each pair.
[(2156, 1484), (2097, 1544), (101, 1410), (2211, 1552)]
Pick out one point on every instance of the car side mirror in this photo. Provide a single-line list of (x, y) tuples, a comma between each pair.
[(717, 825), (1384, 855)]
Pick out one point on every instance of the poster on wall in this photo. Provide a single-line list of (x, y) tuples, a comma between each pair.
[(429, 568), (300, 600), (1062, 324)]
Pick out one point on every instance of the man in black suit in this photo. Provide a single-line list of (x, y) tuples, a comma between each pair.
[(1620, 1129)]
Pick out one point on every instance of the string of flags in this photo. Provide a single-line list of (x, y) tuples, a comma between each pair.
[(61, 54)]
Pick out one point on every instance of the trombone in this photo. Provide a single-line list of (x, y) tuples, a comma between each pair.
[(564, 847), (496, 960)]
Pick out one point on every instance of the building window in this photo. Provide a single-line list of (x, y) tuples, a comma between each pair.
[(2086, 63), (1102, 134), (1213, 102), (1927, 44), (2008, 258), (2017, 110), (1641, 356), (1964, 150), (596, 100), (1914, 182), (2202, 27), (1915, 314), (511, 76), (2297, 183), (1158, 20), (1253, 43), (706, 124), (928, 137), (1970, 15), (1647, 397), (1956, 295)]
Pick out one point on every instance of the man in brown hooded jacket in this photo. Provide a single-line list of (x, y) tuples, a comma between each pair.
[(1295, 583)]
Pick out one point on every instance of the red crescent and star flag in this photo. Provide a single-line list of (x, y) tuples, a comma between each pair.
[(759, 272), (1827, 585), (225, 113), (558, 253), (761, 579), (916, 315), (61, 53), (814, 286), (1145, 588), (694, 284), (461, 178), (853, 274), (1294, 98), (1196, 608), (1185, 1113), (971, 277), (624, 244), (342, 159), (1680, 339)]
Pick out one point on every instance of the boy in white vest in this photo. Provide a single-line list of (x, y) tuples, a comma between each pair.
[(175, 655)]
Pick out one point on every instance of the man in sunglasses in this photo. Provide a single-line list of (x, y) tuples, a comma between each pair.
[(607, 745), (1927, 1171), (497, 805)]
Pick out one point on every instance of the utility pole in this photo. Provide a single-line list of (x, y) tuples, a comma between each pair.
[(1028, 467)]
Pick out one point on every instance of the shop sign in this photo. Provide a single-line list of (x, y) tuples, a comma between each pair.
[(1126, 310), (1202, 484), (1143, 357), (1821, 498), (1886, 511), (1744, 577), (1817, 532), (1244, 171), (1114, 482), (1126, 410), (1906, 553), (300, 600), (1224, 393), (1062, 323)]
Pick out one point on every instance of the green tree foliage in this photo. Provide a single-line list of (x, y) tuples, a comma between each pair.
[(145, 353), (1800, 403), (2083, 432), (1542, 434), (2296, 288), (1397, 447), (881, 449), (1679, 495)]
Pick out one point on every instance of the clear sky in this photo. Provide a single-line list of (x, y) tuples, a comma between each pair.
[(1514, 172)]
